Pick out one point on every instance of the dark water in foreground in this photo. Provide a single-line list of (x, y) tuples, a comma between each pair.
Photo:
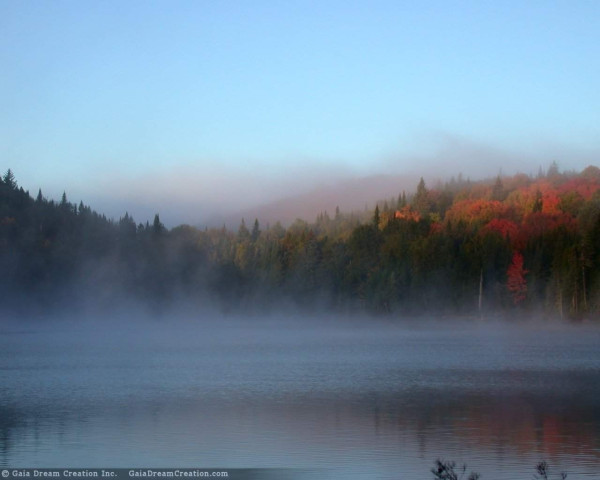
[(364, 400)]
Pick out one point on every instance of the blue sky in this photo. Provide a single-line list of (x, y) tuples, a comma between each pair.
[(105, 99)]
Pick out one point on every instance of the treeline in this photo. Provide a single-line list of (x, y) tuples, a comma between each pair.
[(510, 244)]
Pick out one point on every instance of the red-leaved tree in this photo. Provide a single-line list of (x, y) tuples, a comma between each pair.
[(516, 283)]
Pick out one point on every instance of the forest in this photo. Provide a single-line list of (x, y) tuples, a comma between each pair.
[(517, 245)]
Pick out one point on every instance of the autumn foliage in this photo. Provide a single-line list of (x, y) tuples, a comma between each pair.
[(531, 243), (516, 283)]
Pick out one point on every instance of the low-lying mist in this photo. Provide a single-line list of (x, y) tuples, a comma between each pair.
[(290, 390)]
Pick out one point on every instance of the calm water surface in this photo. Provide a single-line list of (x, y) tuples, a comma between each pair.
[(353, 400)]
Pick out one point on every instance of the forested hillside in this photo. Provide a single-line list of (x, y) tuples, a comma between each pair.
[(510, 244)]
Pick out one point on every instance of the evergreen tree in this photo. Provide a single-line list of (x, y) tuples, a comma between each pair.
[(255, 230), (401, 203), (498, 190), (157, 226), (421, 201), (9, 179), (243, 233), (553, 170), (540, 173), (376, 217)]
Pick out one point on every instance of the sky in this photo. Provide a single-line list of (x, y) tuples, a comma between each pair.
[(202, 106)]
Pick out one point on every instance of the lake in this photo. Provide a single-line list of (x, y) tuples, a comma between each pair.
[(344, 398)]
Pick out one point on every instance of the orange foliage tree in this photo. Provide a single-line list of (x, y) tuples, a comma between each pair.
[(477, 211), (506, 228)]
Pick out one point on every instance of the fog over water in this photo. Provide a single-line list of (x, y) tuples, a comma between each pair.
[(186, 184), (357, 397)]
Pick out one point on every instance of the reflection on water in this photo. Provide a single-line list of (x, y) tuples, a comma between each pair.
[(377, 401)]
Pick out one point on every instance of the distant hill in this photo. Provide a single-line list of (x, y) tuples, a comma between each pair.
[(348, 195)]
